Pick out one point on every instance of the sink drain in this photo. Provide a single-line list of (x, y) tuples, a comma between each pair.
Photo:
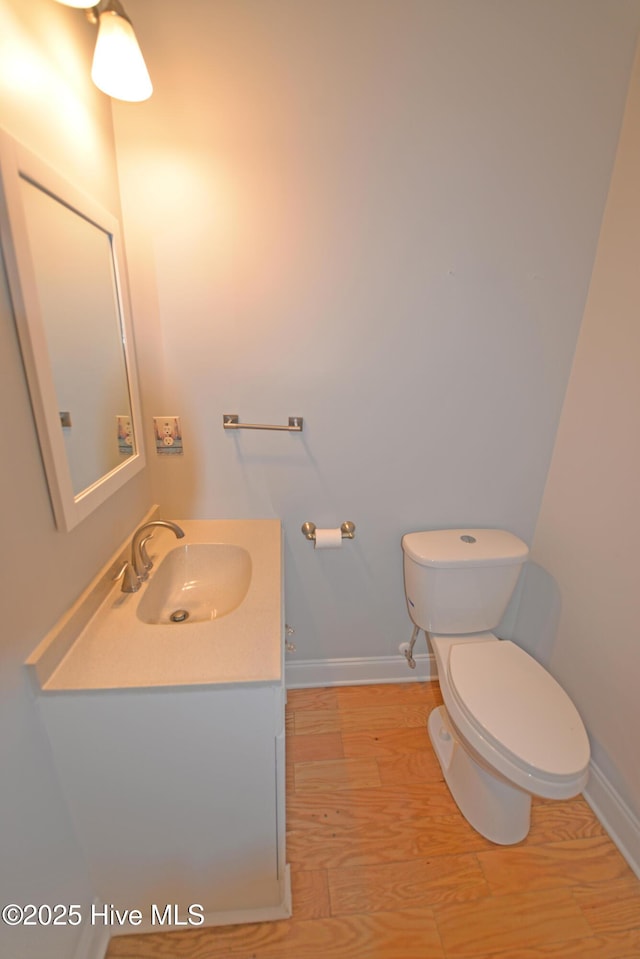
[(179, 615)]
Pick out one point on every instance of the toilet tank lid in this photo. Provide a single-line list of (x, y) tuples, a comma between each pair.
[(465, 547)]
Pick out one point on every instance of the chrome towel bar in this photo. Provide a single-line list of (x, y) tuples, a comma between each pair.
[(231, 421)]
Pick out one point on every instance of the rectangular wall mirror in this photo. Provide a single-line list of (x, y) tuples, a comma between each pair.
[(65, 268)]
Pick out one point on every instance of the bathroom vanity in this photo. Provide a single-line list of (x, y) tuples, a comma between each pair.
[(168, 737)]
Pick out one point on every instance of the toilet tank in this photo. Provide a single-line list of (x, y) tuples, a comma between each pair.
[(460, 580)]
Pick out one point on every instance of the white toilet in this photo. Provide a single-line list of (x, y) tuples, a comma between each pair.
[(507, 729)]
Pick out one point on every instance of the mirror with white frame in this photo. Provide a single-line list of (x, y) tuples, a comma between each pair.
[(65, 268)]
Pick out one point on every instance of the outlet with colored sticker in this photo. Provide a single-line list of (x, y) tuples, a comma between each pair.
[(168, 434), (125, 435)]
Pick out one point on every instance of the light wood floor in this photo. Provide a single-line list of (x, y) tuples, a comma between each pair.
[(385, 867)]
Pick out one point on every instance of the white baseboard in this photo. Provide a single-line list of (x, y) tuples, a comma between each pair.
[(621, 823), (358, 671)]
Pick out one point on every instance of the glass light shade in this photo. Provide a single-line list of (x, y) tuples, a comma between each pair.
[(78, 4), (118, 67)]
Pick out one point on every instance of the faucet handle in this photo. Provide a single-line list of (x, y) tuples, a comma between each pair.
[(129, 577)]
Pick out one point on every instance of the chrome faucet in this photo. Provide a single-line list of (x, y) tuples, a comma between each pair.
[(136, 570), (137, 559)]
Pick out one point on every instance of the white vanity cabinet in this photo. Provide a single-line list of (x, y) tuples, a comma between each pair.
[(177, 795), (168, 741)]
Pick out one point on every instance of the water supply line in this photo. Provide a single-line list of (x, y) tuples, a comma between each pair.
[(408, 652)]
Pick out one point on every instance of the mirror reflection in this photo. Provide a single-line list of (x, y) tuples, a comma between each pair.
[(65, 265), (74, 275)]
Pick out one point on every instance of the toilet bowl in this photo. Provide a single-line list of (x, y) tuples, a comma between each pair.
[(507, 730)]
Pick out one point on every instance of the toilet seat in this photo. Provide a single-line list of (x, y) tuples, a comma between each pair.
[(512, 703)]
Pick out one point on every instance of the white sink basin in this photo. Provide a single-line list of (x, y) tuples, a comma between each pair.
[(196, 583), (104, 642)]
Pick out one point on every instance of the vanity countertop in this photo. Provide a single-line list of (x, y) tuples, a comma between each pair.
[(117, 650)]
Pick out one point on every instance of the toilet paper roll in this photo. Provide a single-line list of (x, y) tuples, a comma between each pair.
[(328, 538)]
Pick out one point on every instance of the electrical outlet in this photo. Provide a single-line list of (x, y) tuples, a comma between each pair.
[(125, 435), (168, 433), (289, 644)]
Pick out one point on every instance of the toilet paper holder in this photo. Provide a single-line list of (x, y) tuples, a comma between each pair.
[(347, 530)]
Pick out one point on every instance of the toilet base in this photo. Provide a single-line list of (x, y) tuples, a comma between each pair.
[(498, 810)]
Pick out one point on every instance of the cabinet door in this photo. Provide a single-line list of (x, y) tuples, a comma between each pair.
[(173, 793)]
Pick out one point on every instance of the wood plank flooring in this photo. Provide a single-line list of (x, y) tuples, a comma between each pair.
[(385, 867)]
